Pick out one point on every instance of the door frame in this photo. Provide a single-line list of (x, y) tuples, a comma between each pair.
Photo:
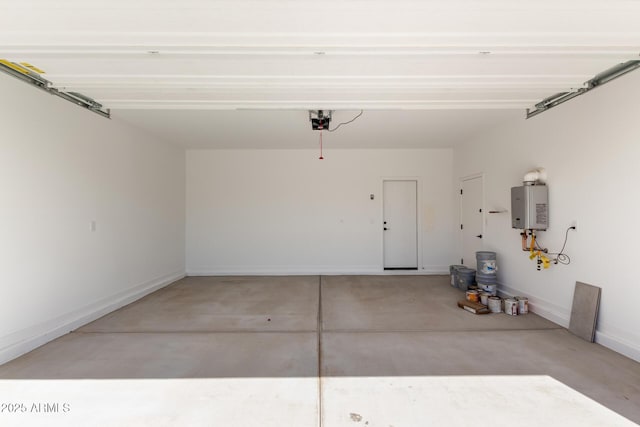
[(419, 262), (484, 210)]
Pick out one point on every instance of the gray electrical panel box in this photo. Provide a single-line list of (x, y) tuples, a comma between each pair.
[(530, 207)]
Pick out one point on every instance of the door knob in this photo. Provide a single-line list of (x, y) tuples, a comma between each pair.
[(479, 236), (385, 229)]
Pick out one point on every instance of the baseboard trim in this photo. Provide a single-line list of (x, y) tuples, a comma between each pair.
[(327, 270), (618, 345), (28, 339), (558, 315), (539, 306)]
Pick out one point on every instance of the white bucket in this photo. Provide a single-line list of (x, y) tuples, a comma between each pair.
[(495, 304), (511, 307), (523, 305), (486, 263), (487, 266), (492, 289)]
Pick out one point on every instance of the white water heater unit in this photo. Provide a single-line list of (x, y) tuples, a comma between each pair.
[(530, 207)]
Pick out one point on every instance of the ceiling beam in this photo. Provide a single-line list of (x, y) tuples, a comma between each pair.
[(133, 104)]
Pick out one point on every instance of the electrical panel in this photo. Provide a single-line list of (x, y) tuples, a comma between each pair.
[(530, 207)]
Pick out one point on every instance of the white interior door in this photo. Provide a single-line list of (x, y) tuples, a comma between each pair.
[(400, 228), (471, 219)]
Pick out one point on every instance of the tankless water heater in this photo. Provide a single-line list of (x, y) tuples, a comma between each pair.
[(530, 207)]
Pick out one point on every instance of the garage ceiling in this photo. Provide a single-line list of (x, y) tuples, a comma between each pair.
[(137, 57)]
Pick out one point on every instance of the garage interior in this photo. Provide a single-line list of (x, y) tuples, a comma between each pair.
[(204, 247)]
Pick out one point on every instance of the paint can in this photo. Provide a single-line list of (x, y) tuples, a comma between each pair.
[(472, 296), (523, 305), (490, 288), (484, 298), (495, 304), (511, 307)]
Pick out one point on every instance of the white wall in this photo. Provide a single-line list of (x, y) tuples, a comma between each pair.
[(62, 167), (286, 212), (590, 147)]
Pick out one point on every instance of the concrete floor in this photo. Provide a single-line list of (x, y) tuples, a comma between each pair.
[(380, 337)]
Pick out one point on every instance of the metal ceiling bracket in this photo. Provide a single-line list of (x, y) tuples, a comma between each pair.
[(35, 79), (599, 80)]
